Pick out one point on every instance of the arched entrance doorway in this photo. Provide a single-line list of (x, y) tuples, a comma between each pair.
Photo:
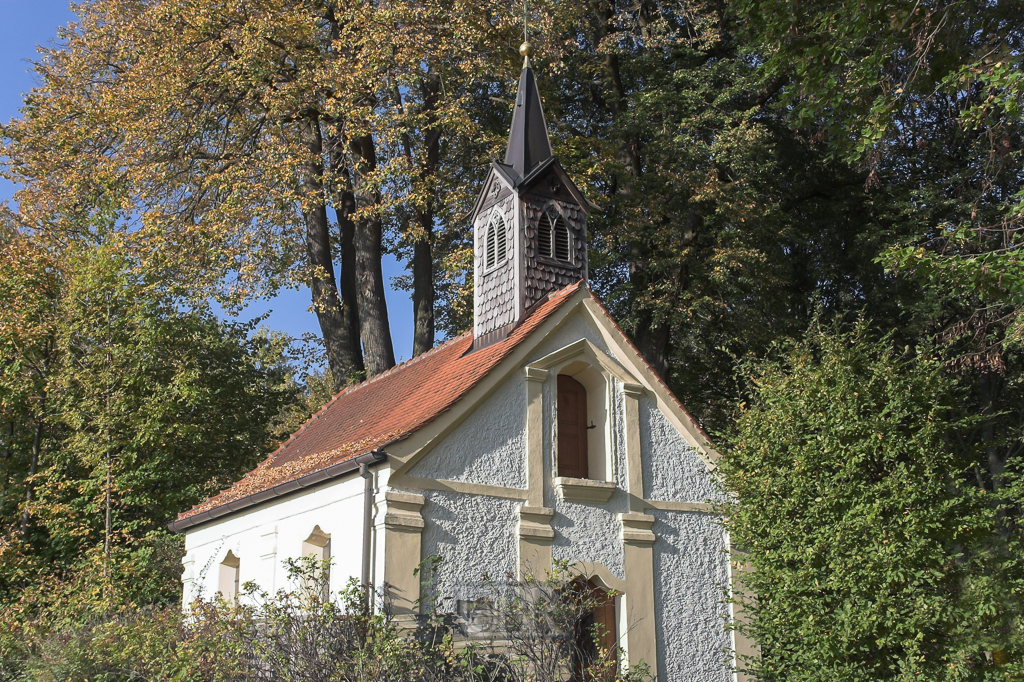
[(595, 652)]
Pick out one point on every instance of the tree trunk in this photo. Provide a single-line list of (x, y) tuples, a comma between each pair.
[(348, 280), (374, 328), (423, 250), (423, 290), (341, 358)]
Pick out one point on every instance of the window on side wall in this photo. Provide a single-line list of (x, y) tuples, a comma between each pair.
[(227, 583), (572, 428), (318, 547)]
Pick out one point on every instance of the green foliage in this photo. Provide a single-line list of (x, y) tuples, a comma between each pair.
[(299, 635), (873, 553), (121, 408), (925, 98)]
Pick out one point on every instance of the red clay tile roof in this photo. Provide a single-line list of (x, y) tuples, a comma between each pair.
[(386, 408)]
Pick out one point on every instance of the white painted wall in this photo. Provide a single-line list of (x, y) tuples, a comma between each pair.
[(265, 536)]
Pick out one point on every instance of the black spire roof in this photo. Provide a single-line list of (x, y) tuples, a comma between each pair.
[(528, 142)]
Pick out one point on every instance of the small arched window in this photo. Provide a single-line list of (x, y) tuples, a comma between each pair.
[(572, 428), (227, 583), (495, 249), (318, 546)]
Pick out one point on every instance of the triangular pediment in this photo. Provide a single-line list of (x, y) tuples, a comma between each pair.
[(605, 337)]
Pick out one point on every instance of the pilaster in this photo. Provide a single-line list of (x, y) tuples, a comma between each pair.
[(188, 579), (638, 602), (403, 528), (535, 538), (268, 558), (535, 435), (634, 459)]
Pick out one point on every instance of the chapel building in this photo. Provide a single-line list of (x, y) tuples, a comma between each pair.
[(541, 435)]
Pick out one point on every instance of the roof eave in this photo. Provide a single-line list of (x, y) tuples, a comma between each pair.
[(278, 491)]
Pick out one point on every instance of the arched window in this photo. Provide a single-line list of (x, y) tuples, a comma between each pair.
[(572, 428), (318, 546), (495, 249), (227, 583)]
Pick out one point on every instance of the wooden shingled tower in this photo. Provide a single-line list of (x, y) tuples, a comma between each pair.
[(529, 225)]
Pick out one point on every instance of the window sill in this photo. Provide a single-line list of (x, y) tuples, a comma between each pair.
[(584, 490)]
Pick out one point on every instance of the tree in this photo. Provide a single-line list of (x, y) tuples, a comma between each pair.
[(925, 100), (874, 554), (719, 225), (140, 409), (223, 134)]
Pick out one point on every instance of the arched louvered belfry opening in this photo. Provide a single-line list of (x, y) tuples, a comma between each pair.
[(572, 428), (553, 237), (496, 250), (562, 239)]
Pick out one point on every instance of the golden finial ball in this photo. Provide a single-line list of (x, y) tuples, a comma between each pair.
[(526, 49)]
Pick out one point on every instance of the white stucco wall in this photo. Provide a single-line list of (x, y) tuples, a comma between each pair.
[(489, 446), (474, 535), (265, 536), (673, 470), (573, 328), (691, 572)]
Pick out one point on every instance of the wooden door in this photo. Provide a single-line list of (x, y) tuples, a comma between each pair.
[(595, 653), (572, 428)]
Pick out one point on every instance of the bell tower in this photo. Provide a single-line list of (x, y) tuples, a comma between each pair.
[(529, 223)]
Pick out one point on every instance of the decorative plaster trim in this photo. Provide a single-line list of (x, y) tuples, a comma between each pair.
[(535, 374), (634, 456), (666, 505), (636, 529), (403, 511), (535, 522), (595, 569), (535, 538), (535, 434), (584, 490), (407, 481), (403, 542), (632, 390), (638, 559), (590, 351)]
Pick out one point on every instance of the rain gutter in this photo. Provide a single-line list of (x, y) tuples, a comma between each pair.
[(280, 490)]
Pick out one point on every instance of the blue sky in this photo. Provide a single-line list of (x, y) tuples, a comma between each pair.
[(24, 24)]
